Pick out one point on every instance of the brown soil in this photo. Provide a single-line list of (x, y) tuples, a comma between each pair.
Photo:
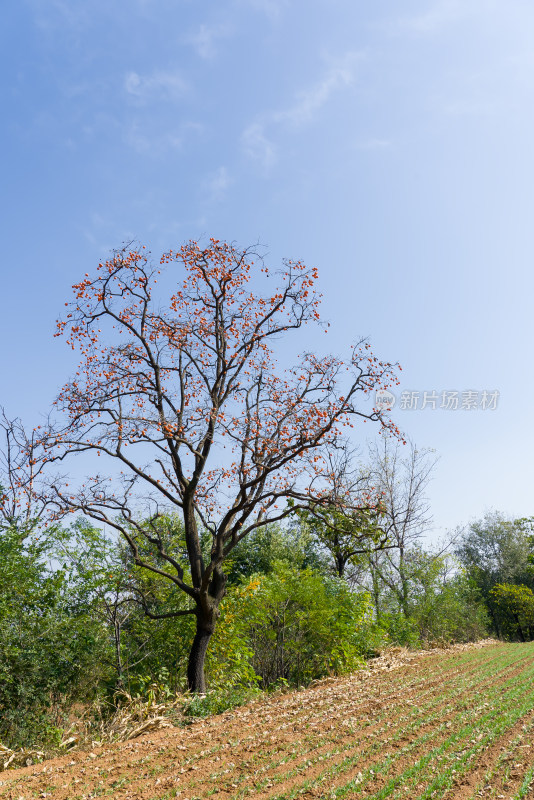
[(347, 737)]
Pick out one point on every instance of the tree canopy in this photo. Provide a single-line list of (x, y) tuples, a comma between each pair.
[(184, 394)]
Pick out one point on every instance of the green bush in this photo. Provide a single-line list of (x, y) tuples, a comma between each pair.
[(50, 652), (513, 605), (400, 630), (262, 549), (292, 625), (444, 606)]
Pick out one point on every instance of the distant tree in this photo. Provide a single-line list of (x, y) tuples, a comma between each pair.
[(346, 536), (183, 396), (401, 480), (273, 544), (443, 604), (513, 605), (98, 581), (49, 650), (497, 549)]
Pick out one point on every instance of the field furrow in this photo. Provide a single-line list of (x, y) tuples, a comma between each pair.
[(443, 726)]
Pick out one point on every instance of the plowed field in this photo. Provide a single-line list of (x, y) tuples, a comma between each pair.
[(450, 724)]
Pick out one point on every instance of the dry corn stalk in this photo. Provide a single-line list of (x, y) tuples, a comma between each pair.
[(18, 758)]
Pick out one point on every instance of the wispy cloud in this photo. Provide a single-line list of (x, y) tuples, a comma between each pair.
[(471, 107), (257, 146), (100, 232), (216, 185), (309, 101), (206, 39), (50, 14), (160, 84), (257, 138), (272, 8), (145, 142), (440, 16)]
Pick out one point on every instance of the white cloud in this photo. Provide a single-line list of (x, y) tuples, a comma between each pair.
[(257, 146), (470, 107), (443, 14), (145, 142), (49, 14), (216, 184), (100, 232), (272, 8), (159, 84), (311, 100), (257, 143), (150, 145), (205, 40)]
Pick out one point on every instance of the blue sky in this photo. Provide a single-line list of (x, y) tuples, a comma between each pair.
[(387, 143)]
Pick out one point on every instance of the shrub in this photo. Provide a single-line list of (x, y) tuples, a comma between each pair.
[(50, 654), (513, 605), (294, 625)]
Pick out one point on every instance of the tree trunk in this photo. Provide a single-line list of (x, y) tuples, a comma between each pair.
[(519, 627), (207, 613), (405, 588), (340, 564), (196, 680), (495, 621), (376, 596), (118, 657)]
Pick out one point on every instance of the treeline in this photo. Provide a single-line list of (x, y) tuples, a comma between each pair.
[(497, 555), (76, 626), (77, 619), (82, 626), (178, 389)]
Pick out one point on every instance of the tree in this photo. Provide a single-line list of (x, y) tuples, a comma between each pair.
[(496, 549), (47, 648), (514, 606), (51, 648), (259, 552), (98, 581), (443, 604), (21, 503), (301, 624), (346, 536), (183, 395), (402, 483)]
